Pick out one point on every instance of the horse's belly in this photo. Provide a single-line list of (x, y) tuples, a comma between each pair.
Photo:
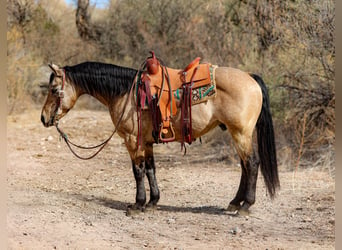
[(202, 120)]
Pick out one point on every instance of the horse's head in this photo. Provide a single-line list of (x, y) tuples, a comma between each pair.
[(60, 99)]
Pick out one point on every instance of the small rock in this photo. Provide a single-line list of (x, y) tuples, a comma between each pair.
[(171, 221), (306, 219), (320, 209), (235, 230)]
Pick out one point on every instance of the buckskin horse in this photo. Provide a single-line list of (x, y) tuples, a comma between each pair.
[(241, 105)]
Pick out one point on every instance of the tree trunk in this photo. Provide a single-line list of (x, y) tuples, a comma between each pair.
[(86, 29)]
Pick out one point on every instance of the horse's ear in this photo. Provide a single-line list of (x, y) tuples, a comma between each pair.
[(56, 70)]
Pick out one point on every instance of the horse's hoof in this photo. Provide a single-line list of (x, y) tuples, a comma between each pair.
[(233, 208), (243, 212), (134, 210), (150, 207)]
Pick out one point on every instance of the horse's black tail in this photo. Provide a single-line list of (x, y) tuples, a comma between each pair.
[(266, 142)]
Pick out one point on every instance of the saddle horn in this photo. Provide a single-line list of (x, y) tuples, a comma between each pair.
[(152, 64)]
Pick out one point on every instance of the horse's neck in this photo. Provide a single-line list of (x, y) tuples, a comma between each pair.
[(102, 99), (115, 104), (123, 113), (105, 99), (107, 95)]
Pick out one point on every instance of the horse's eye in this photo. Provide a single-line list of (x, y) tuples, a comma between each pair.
[(54, 91)]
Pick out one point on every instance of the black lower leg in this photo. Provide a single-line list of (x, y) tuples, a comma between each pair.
[(152, 180), (252, 166), (235, 204), (139, 174)]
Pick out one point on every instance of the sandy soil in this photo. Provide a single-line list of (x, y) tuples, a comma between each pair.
[(56, 201)]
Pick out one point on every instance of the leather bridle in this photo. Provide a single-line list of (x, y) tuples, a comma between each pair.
[(60, 93), (99, 146)]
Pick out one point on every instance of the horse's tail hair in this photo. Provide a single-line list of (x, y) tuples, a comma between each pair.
[(266, 142)]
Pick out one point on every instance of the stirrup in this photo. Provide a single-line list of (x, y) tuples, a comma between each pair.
[(161, 138)]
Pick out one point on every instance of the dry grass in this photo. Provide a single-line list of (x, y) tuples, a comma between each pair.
[(21, 73)]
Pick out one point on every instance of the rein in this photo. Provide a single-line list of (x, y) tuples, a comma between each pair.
[(101, 145)]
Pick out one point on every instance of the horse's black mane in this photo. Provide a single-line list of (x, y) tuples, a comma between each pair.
[(106, 79)]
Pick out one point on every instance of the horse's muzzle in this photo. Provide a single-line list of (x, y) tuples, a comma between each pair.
[(42, 118), (46, 123)]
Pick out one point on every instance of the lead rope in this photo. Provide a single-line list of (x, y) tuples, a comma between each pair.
[(101, 145)]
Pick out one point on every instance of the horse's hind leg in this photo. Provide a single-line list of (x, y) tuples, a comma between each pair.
[(252, 166), (235, 204), (151, 176), (245, 196)]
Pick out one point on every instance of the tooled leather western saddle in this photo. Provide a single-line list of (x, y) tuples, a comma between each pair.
[(159, 86)]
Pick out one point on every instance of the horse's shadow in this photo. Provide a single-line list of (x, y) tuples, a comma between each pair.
[(119, 205)]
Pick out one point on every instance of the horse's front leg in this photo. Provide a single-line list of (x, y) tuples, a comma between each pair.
[(139, 171), (140, 197), (151, 176)]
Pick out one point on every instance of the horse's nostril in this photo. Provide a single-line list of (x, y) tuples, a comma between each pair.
[(42, 119)]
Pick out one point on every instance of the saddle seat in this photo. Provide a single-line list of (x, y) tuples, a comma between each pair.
[(162, 81)]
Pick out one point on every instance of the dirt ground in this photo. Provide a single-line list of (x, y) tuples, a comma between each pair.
[(56, 201)]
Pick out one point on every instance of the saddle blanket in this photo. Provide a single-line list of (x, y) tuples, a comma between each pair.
[(200, 94)]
